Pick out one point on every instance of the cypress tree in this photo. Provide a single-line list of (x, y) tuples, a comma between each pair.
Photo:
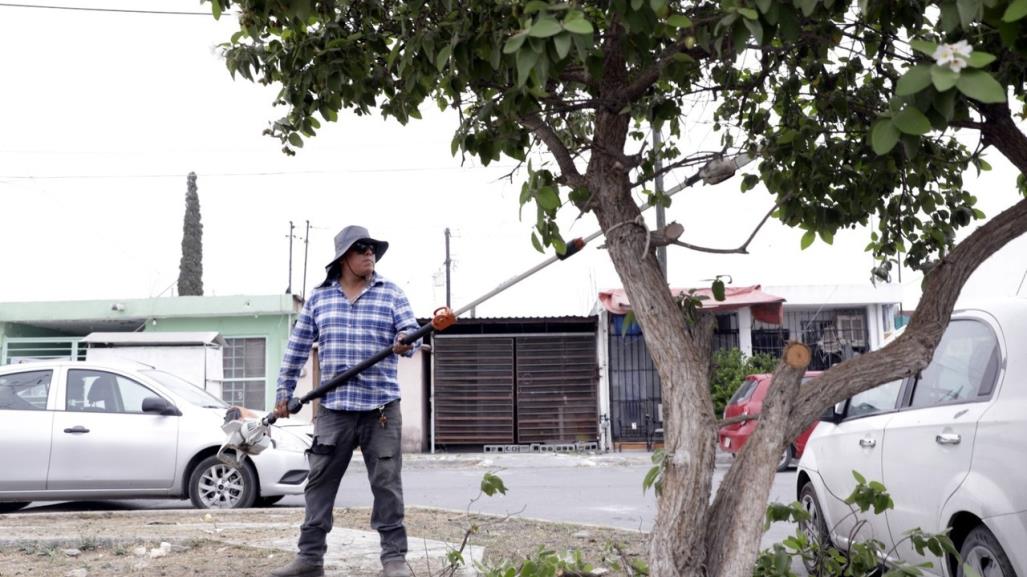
[(190, 269)]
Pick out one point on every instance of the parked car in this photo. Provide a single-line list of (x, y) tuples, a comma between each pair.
[(748, 401), (82, 430), (948, 444)]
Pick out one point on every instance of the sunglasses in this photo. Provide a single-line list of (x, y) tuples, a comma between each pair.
[(362, 246)]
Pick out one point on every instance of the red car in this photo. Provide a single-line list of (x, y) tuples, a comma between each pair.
[(748, 400)]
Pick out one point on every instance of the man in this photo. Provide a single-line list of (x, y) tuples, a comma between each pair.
[(353, 314)]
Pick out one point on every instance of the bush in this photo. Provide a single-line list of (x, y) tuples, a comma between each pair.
[(730, 367)]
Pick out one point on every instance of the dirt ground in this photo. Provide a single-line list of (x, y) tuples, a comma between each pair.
[(117, 544)]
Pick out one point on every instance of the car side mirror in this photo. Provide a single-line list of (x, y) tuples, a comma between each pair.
[(834, 414), (161, 406)]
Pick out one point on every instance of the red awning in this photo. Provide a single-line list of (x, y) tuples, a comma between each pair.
[(765, 307)]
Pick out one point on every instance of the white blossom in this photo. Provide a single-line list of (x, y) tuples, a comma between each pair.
[(955, 56)]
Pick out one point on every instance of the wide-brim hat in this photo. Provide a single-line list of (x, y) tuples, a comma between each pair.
[(344, 241)]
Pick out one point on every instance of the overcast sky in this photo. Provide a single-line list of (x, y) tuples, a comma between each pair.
[(104, 114)]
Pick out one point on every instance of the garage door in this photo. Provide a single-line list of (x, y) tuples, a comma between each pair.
[(556, 389), (474, 384)]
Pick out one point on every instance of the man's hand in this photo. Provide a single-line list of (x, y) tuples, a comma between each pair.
[(398, 347), (282, 409)]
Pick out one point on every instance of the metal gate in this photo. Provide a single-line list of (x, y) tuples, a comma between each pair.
[(556, 389), (474, 382), (518, 389)]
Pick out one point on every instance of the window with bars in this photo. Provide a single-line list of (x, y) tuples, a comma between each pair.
[(245, 378), (833, 335)]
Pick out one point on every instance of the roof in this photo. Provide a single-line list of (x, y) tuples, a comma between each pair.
[(155, 338), (765, 307)]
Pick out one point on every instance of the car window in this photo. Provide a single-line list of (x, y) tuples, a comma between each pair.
[(877, 400), (26, 391), (744, 391), (964, 367), (100, 391)]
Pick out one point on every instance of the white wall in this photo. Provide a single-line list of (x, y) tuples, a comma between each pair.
[(411, 389), (201, 366)]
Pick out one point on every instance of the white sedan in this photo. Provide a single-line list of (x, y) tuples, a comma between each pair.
[(80, 430), (949, 444)]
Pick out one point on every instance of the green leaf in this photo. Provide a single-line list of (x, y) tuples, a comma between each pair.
[(718, 290), (980, 86), (215, 9), (526, 60), (883, 136), (827, 236), (443, 57), (296, 140), (679, 21), (969, 10), (636, 5), (749, 13), (755, 28), (943, 77), (859, 478), (981, 59), (548, 199), (535, 242), (515, 42), (562, 43), (807, 239), (764, 5), (578, 26), (658, 6), (914, 80), (807, 6), (749, 182), (545, 28), (911, 121), (492, 484), (1014, 12), (923, 46)]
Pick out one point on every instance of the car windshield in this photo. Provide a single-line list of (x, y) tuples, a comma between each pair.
[(190, 392)]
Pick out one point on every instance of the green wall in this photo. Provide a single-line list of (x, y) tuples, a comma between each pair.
[(273, 328)]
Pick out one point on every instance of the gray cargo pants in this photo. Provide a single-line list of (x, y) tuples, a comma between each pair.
[(336, 435)]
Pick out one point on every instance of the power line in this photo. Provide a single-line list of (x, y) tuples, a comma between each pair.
[(117, 10), (232, 174)]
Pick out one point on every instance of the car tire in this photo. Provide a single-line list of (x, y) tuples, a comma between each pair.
[(12, 506), (815, 528), (217, 485), (786, 459), (982, 551), (268, 501)]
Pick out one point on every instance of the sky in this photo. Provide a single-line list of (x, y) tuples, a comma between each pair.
[(104, 114)]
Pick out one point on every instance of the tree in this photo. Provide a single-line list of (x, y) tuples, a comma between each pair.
[(190, 268), (854, 110)]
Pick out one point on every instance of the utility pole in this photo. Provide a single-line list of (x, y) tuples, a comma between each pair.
[(661, 219), (306, 250), (288, 289), (448, 262)]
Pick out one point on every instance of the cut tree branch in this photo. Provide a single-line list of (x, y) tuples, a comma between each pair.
[(744, 248)]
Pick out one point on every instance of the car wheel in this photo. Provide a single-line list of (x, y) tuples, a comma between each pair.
[(12, 506), (786, 459), (815, 527), (981, 551), (268, 501), (216, 485)]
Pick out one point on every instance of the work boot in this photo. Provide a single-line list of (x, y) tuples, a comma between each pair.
[(395, 568), (299, 568)]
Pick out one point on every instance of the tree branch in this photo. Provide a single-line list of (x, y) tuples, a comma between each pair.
[(1001, 132), (556, 147), (744, 248)]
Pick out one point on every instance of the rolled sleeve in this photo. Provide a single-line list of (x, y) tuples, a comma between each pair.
[(297, 351), (405, 321)]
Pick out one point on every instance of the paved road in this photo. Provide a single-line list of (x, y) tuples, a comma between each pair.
[(597, 489)]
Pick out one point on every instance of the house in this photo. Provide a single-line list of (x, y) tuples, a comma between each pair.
[(837, 322)]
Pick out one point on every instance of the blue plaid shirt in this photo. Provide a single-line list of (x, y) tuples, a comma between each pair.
[(347, 333)]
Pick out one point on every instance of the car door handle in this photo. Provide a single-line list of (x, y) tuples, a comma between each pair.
[(948, 439), (868, 443), (76, 429)]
